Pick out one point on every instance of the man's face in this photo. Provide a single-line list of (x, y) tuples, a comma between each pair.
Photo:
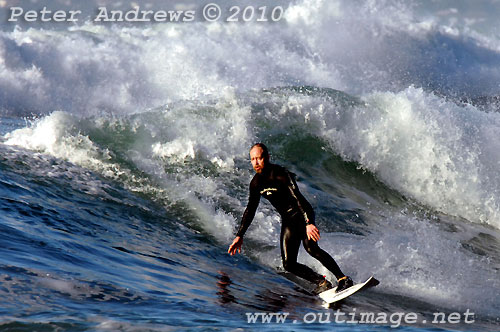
[(258, 160)]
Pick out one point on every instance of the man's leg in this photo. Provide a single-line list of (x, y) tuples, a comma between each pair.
[(315, 251), (290, 240)]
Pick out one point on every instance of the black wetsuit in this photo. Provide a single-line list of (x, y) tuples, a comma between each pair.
[(278, 186)]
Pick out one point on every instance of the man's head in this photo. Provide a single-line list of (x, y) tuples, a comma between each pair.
[(259, 156)]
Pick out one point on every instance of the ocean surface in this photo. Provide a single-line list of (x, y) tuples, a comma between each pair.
[(124, 166)]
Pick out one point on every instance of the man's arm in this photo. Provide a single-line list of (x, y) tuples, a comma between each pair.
[(311, 230), (297, 196), (249, 214), (246, 220)]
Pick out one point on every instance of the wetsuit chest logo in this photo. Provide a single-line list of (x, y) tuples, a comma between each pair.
[(268, 191)]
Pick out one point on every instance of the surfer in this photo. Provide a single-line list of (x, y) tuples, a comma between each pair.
[(278, 185)]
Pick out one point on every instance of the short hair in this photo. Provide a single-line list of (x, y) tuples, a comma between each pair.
[(265, 151)]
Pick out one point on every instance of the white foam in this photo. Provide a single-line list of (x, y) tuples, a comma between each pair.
[(58, 135), (216, 132), (438, 153), (95, 69)]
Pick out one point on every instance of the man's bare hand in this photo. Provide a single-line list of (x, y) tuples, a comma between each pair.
[(235, 246), (312, 232)]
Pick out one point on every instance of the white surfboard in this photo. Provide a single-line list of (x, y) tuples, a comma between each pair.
[(330, 296)]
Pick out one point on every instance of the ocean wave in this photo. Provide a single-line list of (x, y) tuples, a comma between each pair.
[(440, 154)]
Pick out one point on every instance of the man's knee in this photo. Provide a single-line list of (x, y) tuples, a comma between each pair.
[(312, 248)]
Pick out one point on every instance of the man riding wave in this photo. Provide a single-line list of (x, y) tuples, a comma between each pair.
[(277, 184)]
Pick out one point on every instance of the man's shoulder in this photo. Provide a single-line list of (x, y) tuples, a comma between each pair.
[(278, 169), (281, 172)]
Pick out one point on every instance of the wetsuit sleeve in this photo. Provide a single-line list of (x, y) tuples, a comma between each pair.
[(249, 214), (304, 207)]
